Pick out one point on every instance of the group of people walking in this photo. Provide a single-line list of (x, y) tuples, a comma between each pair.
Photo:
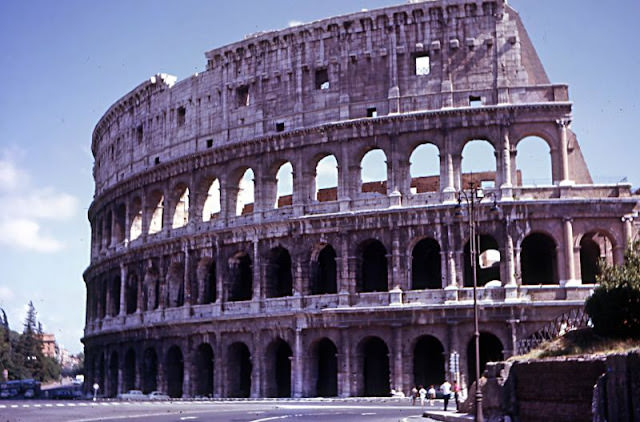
[(447, 390)]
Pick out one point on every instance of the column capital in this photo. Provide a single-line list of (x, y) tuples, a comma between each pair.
[(564, 122)]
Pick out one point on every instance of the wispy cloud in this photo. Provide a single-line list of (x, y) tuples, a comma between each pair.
[(26, 207)]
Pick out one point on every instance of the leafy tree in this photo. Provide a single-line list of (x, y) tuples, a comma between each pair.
[(614, 307)]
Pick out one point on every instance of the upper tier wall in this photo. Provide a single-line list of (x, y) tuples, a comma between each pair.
[(353, 66)]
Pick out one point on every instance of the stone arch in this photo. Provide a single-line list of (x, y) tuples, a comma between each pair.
[(174, 370), (284, 185), (373, 172), (114, 365), (491, 350), (203, 371), (206, 279), (149, 370), (479, 164), (175, 284), (373, 367), (426, 271), (180, 197), (156, 199), (240, 277), (135, 230), (488, 268), (131, 294), (424, 168), (428, 361), (278, 369), (239, 369), (372, 273), (279, 281), (324, 271), (533, 162), (326, 179), (324, 368), (595, 247), (129, 371), (245, 198), (211, 206), (538, 259)]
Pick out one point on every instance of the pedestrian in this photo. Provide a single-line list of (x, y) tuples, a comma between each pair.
[(432, 394), (414, 395), (446, 393), (423, 395), (456, 394)]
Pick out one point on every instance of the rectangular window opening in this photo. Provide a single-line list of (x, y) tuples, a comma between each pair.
[(423, 65), (139, 134), (182, 114), (280, 127), (209, 143), (242, 96), (156, 161), (322, 79), (372, 112), (475, 101)]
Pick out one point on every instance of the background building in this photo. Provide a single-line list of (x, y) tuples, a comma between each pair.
[(241, 246)]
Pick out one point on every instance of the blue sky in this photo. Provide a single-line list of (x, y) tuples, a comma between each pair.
[(63, 63)]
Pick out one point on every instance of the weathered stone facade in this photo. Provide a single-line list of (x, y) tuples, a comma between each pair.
[(197, 287)]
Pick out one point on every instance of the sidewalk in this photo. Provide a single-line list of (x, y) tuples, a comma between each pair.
[(449, 416)]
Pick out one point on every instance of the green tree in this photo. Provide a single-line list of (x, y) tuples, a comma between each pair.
[(614, 307), (6, 361)]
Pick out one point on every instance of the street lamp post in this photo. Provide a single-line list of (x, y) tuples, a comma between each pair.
[(473, 198)]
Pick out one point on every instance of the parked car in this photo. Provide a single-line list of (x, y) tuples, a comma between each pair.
[(132, 395), (158, 395)]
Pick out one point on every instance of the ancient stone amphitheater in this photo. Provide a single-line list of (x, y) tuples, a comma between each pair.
[(240, 249)]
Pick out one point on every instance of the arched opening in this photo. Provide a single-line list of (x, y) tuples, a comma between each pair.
[(478, 164), (533, 162), (181, 213), (326, 179), (284, 186), (373, 172), (174, 369), (131, 294), (425, 169), (279, 282), (278, 370), (323, 272), (211, 208), (203, 371), (155, 224), (114, 297), (488, 262), (426, 272), (240, 277), (595, 247), (428, 362), (175, 285), (491, 350), (129, 373), (206, 277), (372, 274), (239, 371), (136, 219), (149, 371), (538, 260), (374, 366), (112, 387), (325, 369), (246, 194)]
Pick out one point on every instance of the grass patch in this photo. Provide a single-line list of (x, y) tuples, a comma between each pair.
[(580, 342)]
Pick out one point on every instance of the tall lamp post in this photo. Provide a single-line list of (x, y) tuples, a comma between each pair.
[(472, 197)]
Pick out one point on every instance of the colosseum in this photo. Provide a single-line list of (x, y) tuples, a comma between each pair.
[(270, 227)]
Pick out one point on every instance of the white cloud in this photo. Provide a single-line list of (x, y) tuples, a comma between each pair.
[(295, 23), (25, 206), (6, 294)]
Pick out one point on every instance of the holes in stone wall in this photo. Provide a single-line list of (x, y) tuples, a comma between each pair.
[(322, 79), (422, 64), (242, 96), (181, 116)]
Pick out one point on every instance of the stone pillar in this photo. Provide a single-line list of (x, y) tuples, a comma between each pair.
[(509, 283), (127, 222), (397, 381), (344, 363), (457, 171), (447, 173), (513, 325), (563, 125), (398, 273), (627, 229), (186, 277), (257, 273), (257, 363), (123, 290), (506, 192), (220, 293), (570, 270), (187, 366), (297, 369), (219, 365)]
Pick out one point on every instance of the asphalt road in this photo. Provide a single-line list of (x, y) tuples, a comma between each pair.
[(200, 411)]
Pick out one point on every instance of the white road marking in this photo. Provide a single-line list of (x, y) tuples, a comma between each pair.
[(272, 418), (188, 418)]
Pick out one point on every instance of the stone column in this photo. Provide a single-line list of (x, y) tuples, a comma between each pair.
[(447, 172), (257, 360), (510, 270), (506, 192), (627, 229), (397, 381), (186, 278), (570, 270), (187, 367), (257, 273), (344, 363), (297, 369), (563, 125)]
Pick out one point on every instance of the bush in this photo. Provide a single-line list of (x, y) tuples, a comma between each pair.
[(614, 307)]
